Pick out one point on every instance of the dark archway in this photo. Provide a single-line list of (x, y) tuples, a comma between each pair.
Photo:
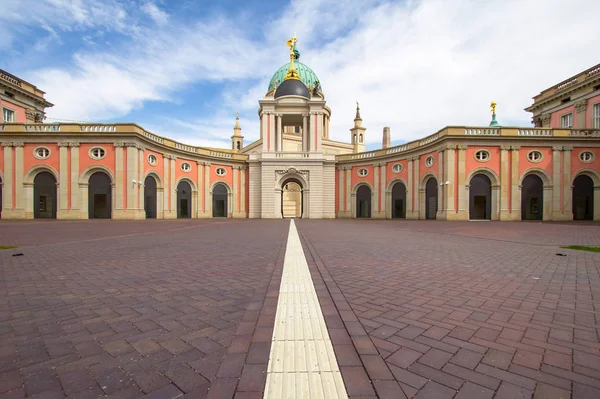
[(399, 201), (99, 196), (363, 202), (480, 197), (292, 198), (219, 201), (184, 200), (431, 198), (44, 196), (150, 197), (583, 198), (532, 198)]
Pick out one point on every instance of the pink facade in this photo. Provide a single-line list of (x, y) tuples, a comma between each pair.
[(20, 116)]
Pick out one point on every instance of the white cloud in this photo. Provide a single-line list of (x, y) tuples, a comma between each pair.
[(159, 16), (416, 66)]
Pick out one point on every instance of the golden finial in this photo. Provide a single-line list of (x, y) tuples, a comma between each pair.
[(493, 106), (292, 73)]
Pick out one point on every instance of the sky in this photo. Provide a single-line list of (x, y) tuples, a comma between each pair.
[(183, 68)]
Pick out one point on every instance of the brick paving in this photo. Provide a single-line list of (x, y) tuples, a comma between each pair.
[(127, 309), (425, 309)]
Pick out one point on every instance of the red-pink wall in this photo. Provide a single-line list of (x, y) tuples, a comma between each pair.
[(545, 164), (390, 175), (29, 160), (576, 163), (20, 116), (589, 123), (369, 178), (493, 163), (423, 170)]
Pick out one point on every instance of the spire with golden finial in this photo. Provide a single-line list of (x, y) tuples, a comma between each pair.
[(357, 112), (292, 73), (494, 122)]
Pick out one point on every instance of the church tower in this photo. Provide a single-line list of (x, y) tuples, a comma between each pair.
[(357, 133), (237, 140)]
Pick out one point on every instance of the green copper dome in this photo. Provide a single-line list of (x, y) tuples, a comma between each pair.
[(307, 76)]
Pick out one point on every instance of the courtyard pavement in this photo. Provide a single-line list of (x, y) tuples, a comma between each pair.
[(186, 308)]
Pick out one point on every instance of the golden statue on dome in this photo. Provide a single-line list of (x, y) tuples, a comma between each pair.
[(493, 106), (292, 73)]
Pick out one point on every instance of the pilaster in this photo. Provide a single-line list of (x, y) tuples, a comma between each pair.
[(580, 119), (319, 135), (383, 178), (119, 177), (505, 182), (463, 194), (349, 210), (305, 135), (167, 214), (173, 185), (418, 200), (449, 171), (410, 214), (7, 182), (556, 210), (566, 184), (375, 194), (75, 200), (441, 211), (200, 196), (515, 184), (243, 192), (19, 188), (63, 178), (597, 203), (279, 137), (207, 202)]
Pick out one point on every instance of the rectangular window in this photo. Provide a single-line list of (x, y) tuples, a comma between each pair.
[(8, 115), (566, 121), (596, 116)]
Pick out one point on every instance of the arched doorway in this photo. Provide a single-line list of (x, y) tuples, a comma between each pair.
[(291, 199), (99, 196), (431, 198), (44, 196), (480, 197), (532, 198), (399, 201), (363, 202), (219, 201), (184, 200), (583, 198), (150, 197)]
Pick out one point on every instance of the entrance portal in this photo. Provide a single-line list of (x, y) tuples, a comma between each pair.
[(431, 198), (480, 198), (44, 196), (532, 198), (583, 198), (99, 196), (150, 197), (184, 200), (219, 201), (363, 202), (399, 201), (291, 203)]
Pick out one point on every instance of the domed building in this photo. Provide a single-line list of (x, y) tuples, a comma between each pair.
[(294, 169)]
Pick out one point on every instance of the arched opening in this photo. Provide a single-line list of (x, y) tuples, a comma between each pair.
[(44, 196), (583, 198), (238, 145), (480, 197), (431, 198), (184, 200), (399, 201), (219, 201), (150, 197), (292, 204), (99, 196), (532, 198), (363, 202)]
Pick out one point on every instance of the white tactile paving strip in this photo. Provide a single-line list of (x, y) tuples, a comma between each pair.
[(302, 362)]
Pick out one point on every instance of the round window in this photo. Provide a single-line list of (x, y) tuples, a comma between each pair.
[(586, 156), (186, 167), (429, 161), (482, 155), (534, 156), (41, 153), (221, 171), (363, 172), (152, 160), (397, 168), (97, 153)]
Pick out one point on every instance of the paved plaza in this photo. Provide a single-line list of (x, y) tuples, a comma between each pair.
[(188, 308)]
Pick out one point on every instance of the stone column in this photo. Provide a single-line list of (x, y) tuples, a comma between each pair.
[(173, 185), (441, 211), (279, 136), (567, 184), (555, 210), (7, 182), (243, 191), (463, 194), (348, 191), (305, 145), (375, 193), (19, 189), (235, 185), (382, 176), (167, 189), (410, 191), (515, 190), (340, 191), (119, 180), (579, 121), (207, 202), (63, 179), (141, 197), (200, 196), (319, 135), (417, 183), (504, 182), (449, 169), (132, 187), (75, 200)]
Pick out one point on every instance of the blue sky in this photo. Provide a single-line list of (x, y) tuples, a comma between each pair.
[(183, 68)]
